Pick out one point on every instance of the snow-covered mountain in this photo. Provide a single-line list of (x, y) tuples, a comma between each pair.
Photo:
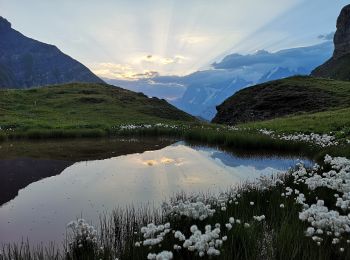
[(199, 93)]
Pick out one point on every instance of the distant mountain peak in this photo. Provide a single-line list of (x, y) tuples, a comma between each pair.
[(261, 52), (4, 24)]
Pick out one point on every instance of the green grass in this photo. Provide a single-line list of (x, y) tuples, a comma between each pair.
[(241, 140), (336, 121), (340, 88), (95, 110), (218, 135), (81, 106), (281, 236)]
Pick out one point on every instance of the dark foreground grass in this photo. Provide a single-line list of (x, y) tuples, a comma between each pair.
[(210, 134), (242, 139), (280, 236), (24, 251)]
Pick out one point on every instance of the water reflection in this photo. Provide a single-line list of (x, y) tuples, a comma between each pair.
[(89, 188), (24, 162)]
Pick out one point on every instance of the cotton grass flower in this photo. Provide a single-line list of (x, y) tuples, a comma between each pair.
[(259, 218), (207, 243), (323, 140), (191, 209), (82, 235), (164, 255), (228, 226)]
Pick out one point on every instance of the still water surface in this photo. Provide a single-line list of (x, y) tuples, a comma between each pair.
[(50, 184)]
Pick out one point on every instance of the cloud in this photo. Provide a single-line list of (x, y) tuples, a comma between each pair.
[(142, 66), (120, 71), (146, 75), (326, 37), (159, 60), (152, 87), (298, 56)]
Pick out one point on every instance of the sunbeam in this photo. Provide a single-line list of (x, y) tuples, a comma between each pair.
[(123, 34)]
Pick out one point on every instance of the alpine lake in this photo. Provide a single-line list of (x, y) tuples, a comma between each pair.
[(46, 184)]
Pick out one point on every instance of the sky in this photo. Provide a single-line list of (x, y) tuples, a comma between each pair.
[(132, 39)]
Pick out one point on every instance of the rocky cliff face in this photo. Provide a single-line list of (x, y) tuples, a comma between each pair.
[(342, 35), (338, 67), (25, 62)]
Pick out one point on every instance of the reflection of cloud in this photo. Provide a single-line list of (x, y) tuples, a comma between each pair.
[(163, 161), (166, 160), (150, 162)]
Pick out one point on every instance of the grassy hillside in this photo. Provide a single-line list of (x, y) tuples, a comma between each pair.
[(81, 106), (291, 96)]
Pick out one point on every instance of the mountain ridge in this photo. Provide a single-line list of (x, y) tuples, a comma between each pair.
[(26, 62), (200, 92)]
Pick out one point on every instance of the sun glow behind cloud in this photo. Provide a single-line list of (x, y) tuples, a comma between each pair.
[(141, 38), (179, 37), (128, 71)]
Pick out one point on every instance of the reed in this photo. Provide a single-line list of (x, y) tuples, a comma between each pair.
[(280, 236)]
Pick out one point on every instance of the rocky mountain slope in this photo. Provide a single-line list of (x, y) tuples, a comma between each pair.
[(25, 62), (338, 67), (284, 97)]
